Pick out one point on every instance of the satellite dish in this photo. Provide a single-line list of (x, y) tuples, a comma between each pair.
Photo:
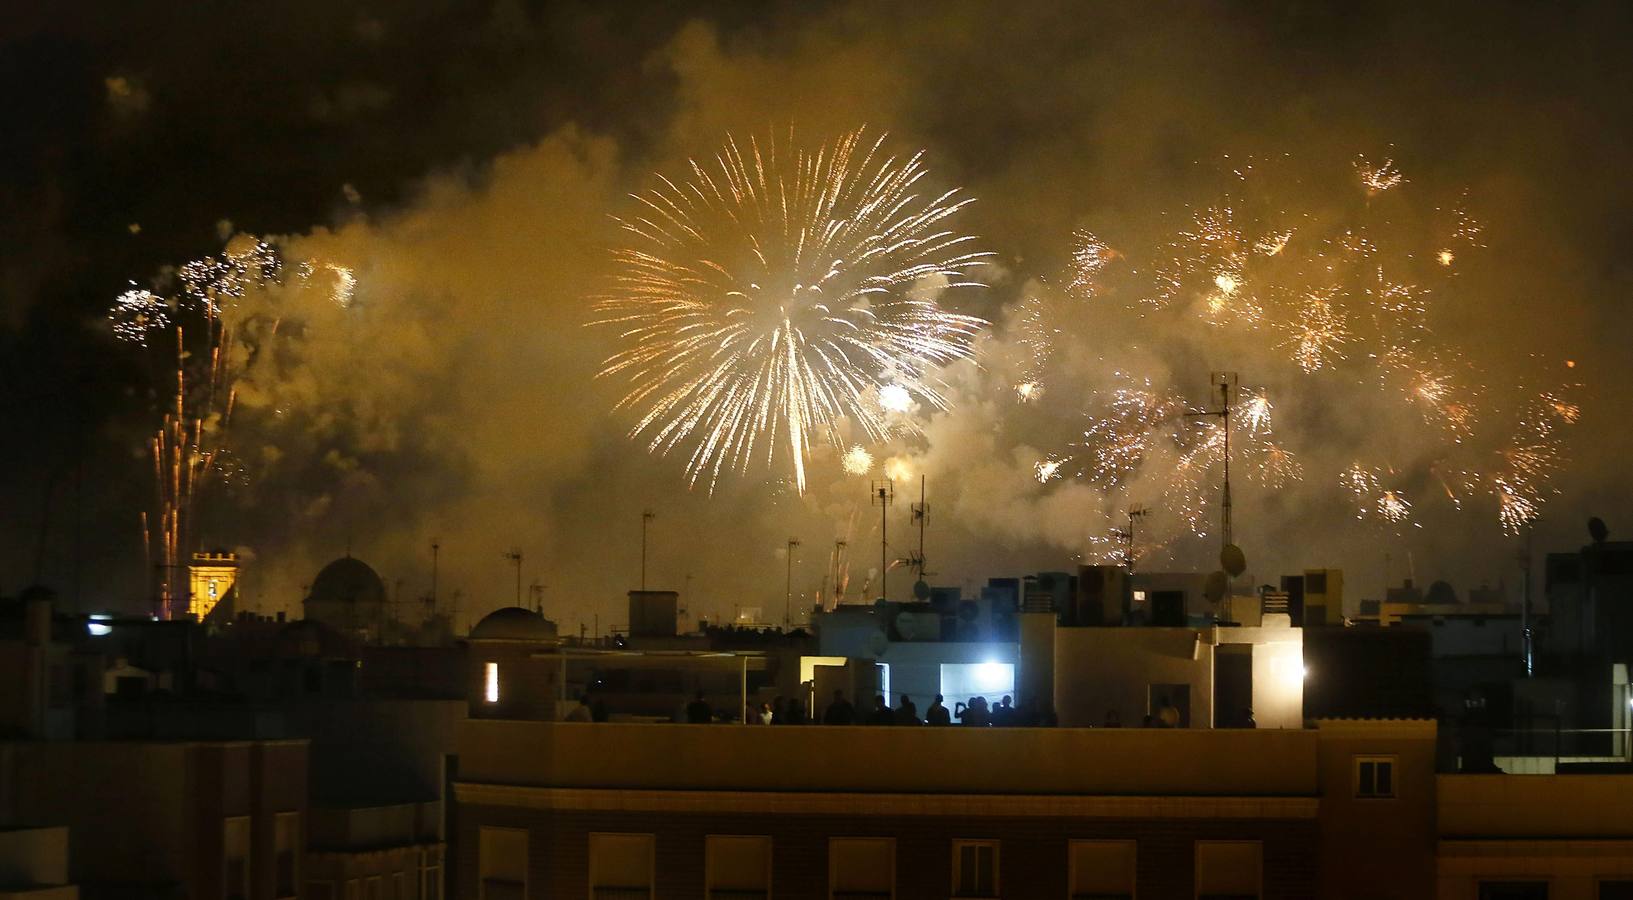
[(1232, 560), (921, 589), (1214, 588), (1597, 530)]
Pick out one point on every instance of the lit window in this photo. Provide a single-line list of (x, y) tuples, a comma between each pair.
[(1139, 596), (490, 682), (861, 867), (738, 866), (1102, 868), (1375, 776), (975, 869)]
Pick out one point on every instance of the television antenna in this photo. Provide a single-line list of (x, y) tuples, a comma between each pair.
[(883, 495), (1225, 385), (515, 556)]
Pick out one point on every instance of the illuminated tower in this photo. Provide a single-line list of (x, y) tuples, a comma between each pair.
[(211, 578)]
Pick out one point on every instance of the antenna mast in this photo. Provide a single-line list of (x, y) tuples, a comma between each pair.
[(921, 513), (788, 594), (515, 556), (884, 494)]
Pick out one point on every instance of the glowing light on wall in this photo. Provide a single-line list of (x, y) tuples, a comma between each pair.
[(490, 686)]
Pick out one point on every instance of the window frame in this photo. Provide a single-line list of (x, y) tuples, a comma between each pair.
[(958, 845), (294, 852), (1196, 863), (708, 860), (833, 859), (1374, 759), (527, 844), (248, 886), (1071, 862), (651, 863)]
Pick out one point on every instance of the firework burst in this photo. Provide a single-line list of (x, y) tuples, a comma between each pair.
[(779, 289)]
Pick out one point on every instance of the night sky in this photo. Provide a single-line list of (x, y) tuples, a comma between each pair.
[(465, 159)]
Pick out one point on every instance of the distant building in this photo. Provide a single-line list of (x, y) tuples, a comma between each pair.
[(212, 581), (1345, 810), (348, 596)]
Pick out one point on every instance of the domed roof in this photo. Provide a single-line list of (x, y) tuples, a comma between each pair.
[(347, 581), (513, 623)]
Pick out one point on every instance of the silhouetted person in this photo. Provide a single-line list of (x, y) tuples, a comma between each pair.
[(937, 714), (1004, 713), (1113, 720), (1247, 718), (840, 712), (908, 712), (796, 713), (779, 711), (698, 711), (881, 714), (975, 713)]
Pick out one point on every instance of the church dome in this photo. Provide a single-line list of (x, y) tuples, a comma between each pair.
[(348, 582), (513, 623)]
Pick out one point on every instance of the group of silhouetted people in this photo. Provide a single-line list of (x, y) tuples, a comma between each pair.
[(976, 713)]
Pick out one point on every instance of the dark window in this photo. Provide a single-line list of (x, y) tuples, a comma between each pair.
[(1621, 889), (1513, 890), (1375, 777), (977, 873), (1315, 583)]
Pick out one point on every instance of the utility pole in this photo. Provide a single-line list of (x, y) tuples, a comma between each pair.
[(515, 556), (646, 516), (884, 494), (788, 593)]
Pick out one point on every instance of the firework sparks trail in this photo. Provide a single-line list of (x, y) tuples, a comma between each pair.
[(189, 446), (779, 289)]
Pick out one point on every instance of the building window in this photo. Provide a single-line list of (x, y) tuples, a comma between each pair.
[(1228, 870), (235, 858), (861, 868), (737, 866), (1616, 889), (621, 866), (490, 682), (286, 842), (1375, 776), (1101, 870), (975, 869), (501, 863), (1513, 890)]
